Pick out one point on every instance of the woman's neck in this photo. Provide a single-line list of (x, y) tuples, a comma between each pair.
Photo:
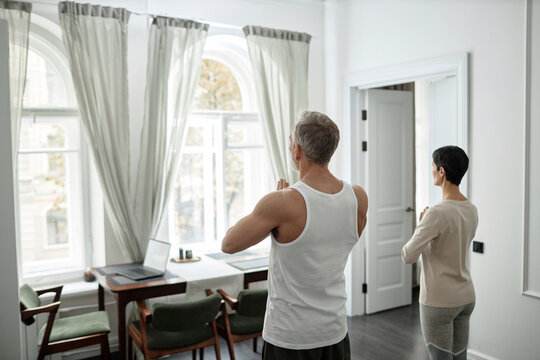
[(451, 191)]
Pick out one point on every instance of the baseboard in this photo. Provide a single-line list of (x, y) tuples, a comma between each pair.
[(477, 355)]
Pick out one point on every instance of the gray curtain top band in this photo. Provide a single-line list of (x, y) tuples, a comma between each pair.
[(73, 8), (160, 21), (276, 33), (16, 5)]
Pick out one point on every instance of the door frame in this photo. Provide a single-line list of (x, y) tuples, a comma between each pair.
[(353, 129)]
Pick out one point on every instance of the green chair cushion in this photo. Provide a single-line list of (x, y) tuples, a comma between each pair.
[(167, 340), (79, 325), (29, 299), (252, 302), (185, 316), (241, 325)]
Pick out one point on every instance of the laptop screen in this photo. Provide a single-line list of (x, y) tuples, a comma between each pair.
[(157, 255)]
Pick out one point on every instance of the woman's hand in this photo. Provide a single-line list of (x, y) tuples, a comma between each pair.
[(422, 213), (282, 184)]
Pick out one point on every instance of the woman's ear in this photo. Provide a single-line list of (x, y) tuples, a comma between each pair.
[(442, 172)]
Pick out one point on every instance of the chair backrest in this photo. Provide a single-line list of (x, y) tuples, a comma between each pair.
[(252, 302), (29, 299), (185, 316)]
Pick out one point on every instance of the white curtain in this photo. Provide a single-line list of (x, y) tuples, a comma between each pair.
[(95, 40), (17, 15), (280, 68), (175, 48)]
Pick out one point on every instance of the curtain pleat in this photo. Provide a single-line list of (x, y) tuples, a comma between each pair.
[(95, 40), (175, 49), (17, 14), (279, 59)]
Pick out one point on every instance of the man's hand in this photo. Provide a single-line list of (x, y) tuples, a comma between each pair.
[(422, 213), (282, 184)]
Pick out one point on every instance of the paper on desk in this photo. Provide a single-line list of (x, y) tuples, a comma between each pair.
[(208, 274)]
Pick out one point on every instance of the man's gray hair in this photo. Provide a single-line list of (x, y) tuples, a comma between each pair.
[(317, 135)]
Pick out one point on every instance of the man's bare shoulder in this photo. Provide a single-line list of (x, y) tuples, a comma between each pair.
[(361, 197), (282, 201)]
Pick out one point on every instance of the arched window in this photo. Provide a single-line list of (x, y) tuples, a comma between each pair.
[(49, 160), (217, 89), (223, 172)]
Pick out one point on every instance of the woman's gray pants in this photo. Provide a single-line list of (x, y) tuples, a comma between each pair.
[(446, 331)]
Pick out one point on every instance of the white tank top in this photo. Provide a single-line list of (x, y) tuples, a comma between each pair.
[(306, 284)]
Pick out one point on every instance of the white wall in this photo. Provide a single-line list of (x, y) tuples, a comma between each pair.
[(10, 341), (369, 34)]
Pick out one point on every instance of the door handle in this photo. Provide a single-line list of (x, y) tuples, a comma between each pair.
[(409, 209)]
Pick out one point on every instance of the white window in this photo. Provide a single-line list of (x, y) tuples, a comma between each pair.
[(224, 168), (50, 201)]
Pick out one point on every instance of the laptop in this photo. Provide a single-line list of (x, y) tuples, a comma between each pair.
[(155, 262)]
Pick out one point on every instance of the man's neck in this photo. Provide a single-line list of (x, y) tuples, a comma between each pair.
[(315, 174)]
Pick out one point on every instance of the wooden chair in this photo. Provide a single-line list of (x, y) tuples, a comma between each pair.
[(247, 322), (65, 333), (173, 328)]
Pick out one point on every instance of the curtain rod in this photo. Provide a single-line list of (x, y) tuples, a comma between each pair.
[(211, 23)]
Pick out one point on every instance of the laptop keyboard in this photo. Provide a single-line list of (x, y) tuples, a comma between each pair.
[(142, 272)]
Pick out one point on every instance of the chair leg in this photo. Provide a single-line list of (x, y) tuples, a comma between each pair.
[(216, 347), (201, 353), (130, 348), (41, 355), (254, 344), (230, 345), (105, 353), (194, 354)]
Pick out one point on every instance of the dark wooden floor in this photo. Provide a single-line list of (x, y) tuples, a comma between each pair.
[(388, 335)]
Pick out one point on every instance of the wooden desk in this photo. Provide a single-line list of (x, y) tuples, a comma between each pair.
[(124, 294)]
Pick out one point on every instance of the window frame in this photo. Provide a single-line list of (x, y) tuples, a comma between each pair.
[(228, 47), (219, 120), (83, 246), (45, 40)]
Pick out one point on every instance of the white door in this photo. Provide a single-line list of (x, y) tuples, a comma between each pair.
[(443, 123), (390, 191)]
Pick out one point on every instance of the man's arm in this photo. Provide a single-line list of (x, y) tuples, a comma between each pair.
[(362, 201), (256, 226)]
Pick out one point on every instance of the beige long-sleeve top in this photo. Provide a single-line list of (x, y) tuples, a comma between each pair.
[(443, 238)]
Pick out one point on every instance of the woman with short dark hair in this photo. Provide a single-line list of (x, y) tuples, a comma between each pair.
[(443, 236)]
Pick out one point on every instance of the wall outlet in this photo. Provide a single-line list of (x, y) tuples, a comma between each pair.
[(478, 247)]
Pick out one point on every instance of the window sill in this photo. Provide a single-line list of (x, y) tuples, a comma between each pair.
[(76, 288)]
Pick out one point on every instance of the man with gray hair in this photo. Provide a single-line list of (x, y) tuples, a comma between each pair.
[(314, 225)]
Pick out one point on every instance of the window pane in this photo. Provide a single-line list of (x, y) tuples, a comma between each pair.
[(45, 88), (246, 181), (195, 136), (189, 200), (244, 133), (44, 188), (217, 89), (44, 135), (234, 186)]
